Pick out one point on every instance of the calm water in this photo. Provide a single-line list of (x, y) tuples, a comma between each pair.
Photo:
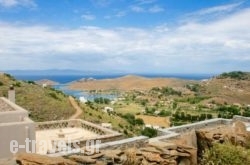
[(85, 94)]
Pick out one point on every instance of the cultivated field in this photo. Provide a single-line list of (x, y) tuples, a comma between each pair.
[(155, 120)]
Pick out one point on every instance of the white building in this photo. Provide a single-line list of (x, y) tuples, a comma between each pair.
[(107, 125), (82, 99), (108, 109)]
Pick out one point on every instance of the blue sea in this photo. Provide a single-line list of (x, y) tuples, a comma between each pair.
[(63, 81)]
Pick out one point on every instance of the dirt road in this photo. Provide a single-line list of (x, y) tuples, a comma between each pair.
[(76, 107)]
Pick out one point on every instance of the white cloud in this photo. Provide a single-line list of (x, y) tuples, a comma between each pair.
[(14, 3), (213, 13), (137, 9), (88, 17), (216, 9), (153, 9), (146, 6), (189, 47), (156, 9)]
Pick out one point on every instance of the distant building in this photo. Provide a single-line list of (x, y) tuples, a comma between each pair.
[(148, 126), (108, 109), (156, 112), (82, 99), (44, 85), (107, 125), (156, 127)]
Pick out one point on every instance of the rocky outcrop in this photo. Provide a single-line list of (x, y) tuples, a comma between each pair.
[(154, 153), (236, 134), (35, 159)]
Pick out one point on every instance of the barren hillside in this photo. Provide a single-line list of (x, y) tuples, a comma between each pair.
[(126, 83)]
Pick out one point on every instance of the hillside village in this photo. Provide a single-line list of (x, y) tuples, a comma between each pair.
[(149, 113), (180, 102), (154, 105)]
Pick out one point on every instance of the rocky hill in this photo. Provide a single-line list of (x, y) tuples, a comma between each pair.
[(46, 82)]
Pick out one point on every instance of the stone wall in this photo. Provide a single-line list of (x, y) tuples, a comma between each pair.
[(74, 123), (198, 125), (241, 118), (137, 142), (16, 115)]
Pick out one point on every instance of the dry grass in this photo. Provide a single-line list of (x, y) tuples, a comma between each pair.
[(127, 83), (132, 108), (153, 120), (98, 116), (228, 90)]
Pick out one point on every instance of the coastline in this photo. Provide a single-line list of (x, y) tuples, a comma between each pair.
[(65, 79)]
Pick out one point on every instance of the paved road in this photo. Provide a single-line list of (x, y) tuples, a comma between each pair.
[(76, 107)]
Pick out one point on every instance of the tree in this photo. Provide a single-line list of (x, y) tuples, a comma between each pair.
[(139, 121), (174, 105), (150, 132), (130, 118), (101, 100)]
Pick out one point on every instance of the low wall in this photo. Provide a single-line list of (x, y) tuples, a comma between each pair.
[(241, 118), (198, 125), (74, 123), (18, 113), (138, 142), (104, 134), (164, 134)]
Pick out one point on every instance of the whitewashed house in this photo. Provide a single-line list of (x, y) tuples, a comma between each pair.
[(107, 125), (108, 109), (82, 99)]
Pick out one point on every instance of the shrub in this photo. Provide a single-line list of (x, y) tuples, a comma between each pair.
[(53, 95), (235, 75), (101, 100), (125, 132), (225, 154), (17, 84), (150, 132), (31, 82), (1, 83), (164, 113), (120, 125), (130, 118), (139, 121), (9, 76)]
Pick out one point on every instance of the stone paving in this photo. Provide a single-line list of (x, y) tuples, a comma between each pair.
[(45, 137)]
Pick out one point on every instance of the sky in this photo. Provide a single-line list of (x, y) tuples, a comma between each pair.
[(127, 36)]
